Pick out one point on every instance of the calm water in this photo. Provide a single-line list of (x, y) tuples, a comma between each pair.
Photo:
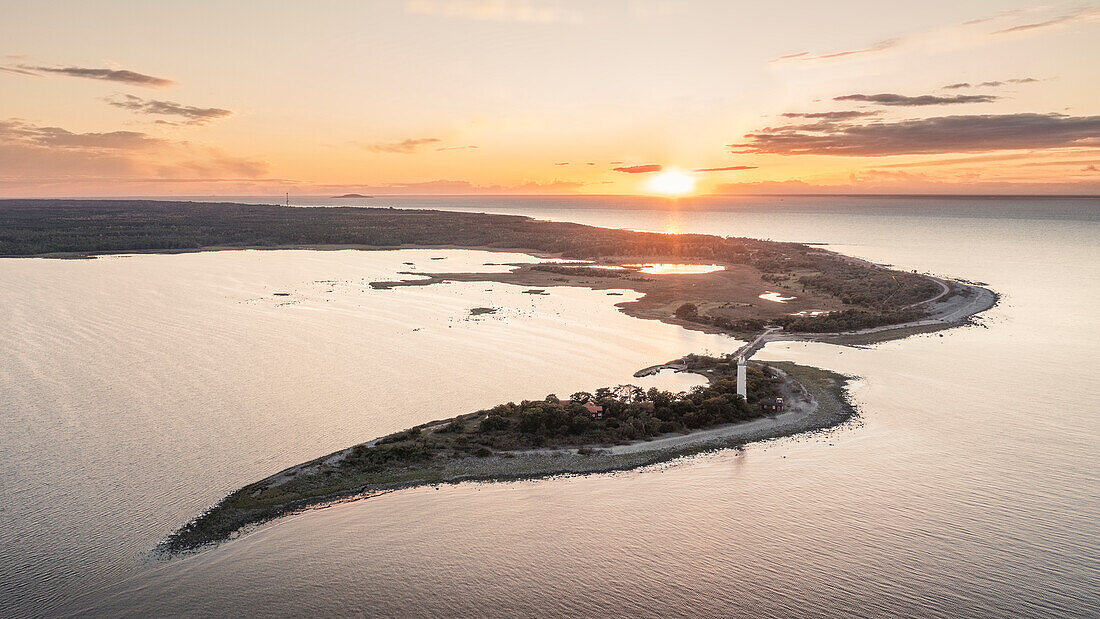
[(138, 390)]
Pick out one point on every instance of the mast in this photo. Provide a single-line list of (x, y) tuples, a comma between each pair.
[(288, 198)]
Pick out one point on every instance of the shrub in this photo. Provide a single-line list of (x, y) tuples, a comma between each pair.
[(493, 423), (687, 311)]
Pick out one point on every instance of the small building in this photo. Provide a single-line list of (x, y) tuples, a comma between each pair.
[(595, 410), (772, 405)]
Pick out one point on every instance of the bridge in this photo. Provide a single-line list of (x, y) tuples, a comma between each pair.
[(747, 350)]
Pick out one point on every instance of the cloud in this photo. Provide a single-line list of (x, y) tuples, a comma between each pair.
[(458, 148), (14, 131), (946, 134), (995, 16), (639, 169), (536, 11), (191, 115), (404, 147), (1020, 80), (1090, 162), (877, 47), (18, 71), (904, 101), (32, 155), (953, 35), (874, 182), (1090, 168), (961, 160), (1079, 15), (844, 115), (111, 75), (732, 167)]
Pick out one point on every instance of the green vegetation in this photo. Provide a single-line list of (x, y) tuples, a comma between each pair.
[(629, 413), (433, 452), (831, 322)]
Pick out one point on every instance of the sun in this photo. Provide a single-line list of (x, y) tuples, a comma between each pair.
[(671, 182)]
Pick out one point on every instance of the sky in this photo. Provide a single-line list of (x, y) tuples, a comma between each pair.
[(115, 98)]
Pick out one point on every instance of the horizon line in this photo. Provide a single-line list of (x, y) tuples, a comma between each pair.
[(191, 198)]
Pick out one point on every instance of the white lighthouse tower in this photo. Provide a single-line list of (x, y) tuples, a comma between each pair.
[(742, 383)]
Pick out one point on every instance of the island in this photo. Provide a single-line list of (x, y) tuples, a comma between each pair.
[(351, 195), (756, 290)]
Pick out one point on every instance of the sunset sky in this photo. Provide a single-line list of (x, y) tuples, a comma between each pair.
[(117, 98)]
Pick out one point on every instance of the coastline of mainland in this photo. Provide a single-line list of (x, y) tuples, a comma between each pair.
[(826, 297)]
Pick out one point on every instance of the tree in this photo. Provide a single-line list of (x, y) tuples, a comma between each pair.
[(579, 424), (581, 396)]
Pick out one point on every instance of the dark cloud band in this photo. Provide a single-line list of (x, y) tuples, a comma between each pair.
[(892, 99), (843, 115), (946, 134), (111, 75), (993, 84), (191, 115)]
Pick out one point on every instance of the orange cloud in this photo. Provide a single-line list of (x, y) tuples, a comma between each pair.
[(638, 169), (404, 147)]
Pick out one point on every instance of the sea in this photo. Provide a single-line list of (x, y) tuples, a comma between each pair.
[(138, 390)]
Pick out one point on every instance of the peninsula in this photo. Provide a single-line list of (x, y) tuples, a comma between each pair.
[(804, 289), (757, 290), (611, 429)]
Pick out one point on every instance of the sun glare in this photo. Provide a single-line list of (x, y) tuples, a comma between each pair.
[(671, 182)]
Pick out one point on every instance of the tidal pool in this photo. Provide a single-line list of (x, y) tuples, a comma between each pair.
[(677, 269)]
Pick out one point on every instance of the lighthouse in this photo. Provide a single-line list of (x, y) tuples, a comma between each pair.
[(742, 383)]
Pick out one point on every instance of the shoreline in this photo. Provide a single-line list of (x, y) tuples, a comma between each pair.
[(955, 305), (818, 290), (821, 403), (820, 395), (762, 287), (640, 308), (871, 335)]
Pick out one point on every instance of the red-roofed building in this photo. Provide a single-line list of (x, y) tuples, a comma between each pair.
[(593, 409)]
